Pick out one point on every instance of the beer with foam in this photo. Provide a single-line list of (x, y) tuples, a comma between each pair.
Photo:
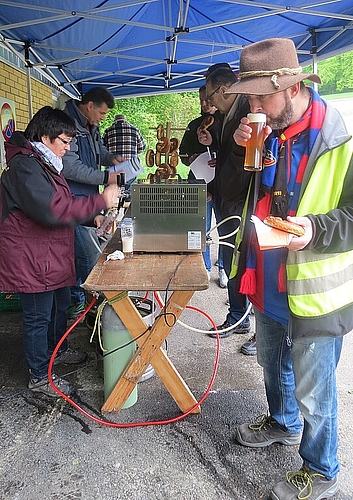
[(254, 146)]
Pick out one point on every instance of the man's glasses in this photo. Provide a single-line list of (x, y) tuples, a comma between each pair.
[(208, 97), (66, 143)]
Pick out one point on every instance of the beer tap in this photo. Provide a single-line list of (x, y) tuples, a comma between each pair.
[(112, 214)]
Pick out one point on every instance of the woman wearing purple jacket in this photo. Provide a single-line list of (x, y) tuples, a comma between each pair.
[(38, 216)]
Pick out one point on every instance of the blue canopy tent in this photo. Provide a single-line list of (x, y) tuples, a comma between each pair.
[(137, 47)]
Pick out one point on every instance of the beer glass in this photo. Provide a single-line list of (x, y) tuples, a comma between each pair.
[(254, 146)]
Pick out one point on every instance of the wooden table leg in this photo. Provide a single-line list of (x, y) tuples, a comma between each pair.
[(150, 351)]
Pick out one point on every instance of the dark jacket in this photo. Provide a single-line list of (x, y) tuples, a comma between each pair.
[(82, 164), (37, 217), (190, 144), (231, 181)]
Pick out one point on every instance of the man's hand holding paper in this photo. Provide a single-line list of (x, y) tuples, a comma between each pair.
[(269, 237), (202, 169)]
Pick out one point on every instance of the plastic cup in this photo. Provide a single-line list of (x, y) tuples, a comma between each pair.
[(254, 146), (127, 238)]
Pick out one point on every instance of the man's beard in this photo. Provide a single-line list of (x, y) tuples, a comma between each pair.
[(281, 122)]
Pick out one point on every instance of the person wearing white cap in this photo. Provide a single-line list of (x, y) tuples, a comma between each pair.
[(302, 294)]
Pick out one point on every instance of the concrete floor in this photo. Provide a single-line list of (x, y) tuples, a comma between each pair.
[(52, 451)]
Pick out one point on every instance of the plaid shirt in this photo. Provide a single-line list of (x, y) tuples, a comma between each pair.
[(124, 139)]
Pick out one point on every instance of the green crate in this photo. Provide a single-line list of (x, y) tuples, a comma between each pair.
[(9, 302)]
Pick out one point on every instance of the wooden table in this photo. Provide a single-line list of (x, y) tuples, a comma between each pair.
[(182, 274)]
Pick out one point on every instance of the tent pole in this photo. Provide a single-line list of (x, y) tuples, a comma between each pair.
[(314, 55), (29, 93), (28, 81), (315, 70)]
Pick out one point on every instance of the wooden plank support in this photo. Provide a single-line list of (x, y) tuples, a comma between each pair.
[(150, 351)]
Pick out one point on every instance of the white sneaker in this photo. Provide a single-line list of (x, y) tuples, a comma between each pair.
[(223, 280)]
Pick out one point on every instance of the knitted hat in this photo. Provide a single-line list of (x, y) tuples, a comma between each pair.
[(119, 117), (268, 67)]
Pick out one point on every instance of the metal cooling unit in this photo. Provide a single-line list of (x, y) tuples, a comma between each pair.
[(169, 216)]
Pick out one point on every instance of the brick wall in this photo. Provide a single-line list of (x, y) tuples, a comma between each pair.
[(13, 85)]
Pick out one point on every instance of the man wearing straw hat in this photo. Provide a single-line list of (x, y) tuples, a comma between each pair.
[(302, 293)]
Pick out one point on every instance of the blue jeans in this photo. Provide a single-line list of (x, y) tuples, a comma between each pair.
[(236, 310), (44, 323), (302, 379), (207, 253), (220, 258), (86, 256)]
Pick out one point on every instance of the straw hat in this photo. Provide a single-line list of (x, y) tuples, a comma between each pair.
[(268, 67)]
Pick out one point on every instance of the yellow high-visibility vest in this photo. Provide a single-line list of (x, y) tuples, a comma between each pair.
[(318, 284)]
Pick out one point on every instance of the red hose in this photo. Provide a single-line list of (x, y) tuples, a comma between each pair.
[(134, 424)]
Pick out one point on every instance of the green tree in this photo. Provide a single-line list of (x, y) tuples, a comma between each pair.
[(336, 74), (146, 113)]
